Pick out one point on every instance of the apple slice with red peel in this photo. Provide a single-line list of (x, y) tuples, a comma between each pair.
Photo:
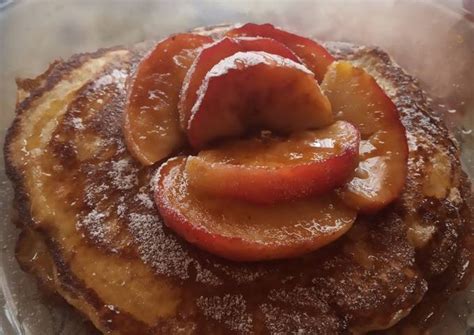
[(357, 98), (151, 126), (242, 231), (213, 54), (250, 91), (313, 55), (266, 170)]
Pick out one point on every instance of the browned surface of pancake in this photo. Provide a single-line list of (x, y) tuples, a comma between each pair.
[(88, 215)]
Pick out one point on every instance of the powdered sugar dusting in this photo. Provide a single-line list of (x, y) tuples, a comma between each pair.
[(95, 224), (302, 296), (243, 275), (205, 276), (164, 253), (94, 194), (412, 142), (284, 321), (156, 248), (123, 174), (187, 78), (252, 58), (121, 209), (192, 68), (146, 200), (229, 310), (116, 77), (77, 123)]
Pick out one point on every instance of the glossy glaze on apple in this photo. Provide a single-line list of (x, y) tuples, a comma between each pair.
[(151, 126), (313, 55), (211, 55), (252, 91), (357, 98), (241, 231), (271, 169), (235, 89)]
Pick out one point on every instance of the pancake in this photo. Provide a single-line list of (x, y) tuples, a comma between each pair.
[(91, 232)]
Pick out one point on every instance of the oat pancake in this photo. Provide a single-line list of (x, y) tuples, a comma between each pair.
[(91, 232)]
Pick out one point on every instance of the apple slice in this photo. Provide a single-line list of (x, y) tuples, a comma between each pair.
[(211, 55), (249, 91), (357, 98), (242, 231), (151, 125), (313, 55), (268, 169)]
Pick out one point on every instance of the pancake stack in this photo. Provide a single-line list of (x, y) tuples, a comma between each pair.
[(90, 230)]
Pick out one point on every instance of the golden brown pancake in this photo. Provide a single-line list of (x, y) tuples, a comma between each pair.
[(91, 232)]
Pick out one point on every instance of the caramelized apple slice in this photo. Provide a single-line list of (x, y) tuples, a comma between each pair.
[(211, 55), (269, 169), (242, 231), (357, 98), (151, 126), (313, 55), (255, 90)]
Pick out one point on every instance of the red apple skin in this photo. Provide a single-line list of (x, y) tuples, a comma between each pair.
[(243, 170), (249, 91), (313, 55), (151, 122), (240, 231), (211, 55), (357, 98)]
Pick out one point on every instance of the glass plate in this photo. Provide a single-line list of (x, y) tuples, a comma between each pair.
[(433, 40)]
